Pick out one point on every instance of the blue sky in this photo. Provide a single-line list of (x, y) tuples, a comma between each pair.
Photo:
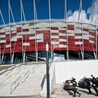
[(57, 9)]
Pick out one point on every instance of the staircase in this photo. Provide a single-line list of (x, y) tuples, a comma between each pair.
[(24, 80)]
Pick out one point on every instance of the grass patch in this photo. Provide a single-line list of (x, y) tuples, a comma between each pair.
[(4, 67)]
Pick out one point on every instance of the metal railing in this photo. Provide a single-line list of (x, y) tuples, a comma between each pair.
[(15, 85), (43, 80), (26, 75), (6, 76)]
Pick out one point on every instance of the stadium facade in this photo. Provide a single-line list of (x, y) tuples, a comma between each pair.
[(26, 41)]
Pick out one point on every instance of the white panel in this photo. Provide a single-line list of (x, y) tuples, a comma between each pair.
[(38, 36), (62, 34), (69, 34), (90, 41), (85, 25), (3, 41), (78, 43), (18, 26), (78, 31), (92, 27), (58, 24), (78, 25), (7, 28), (32, 37), (2, 30), (2, 36), (13, 39), (91, 36), (39, 40), (86, 37), (7, 46), (26, 44), (7, 32), (70, 31), (62, 46), (62, 40), (32, 31), (22, 33), (25, 26), (52, 42), (13, 32), (85, 32), (13, 28), (42, 29), (54, 31), (19, 36), (78, 37), (62, 28), (55, 36), (40, 25)]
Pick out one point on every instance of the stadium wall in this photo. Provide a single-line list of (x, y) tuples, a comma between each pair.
[(78, 69)]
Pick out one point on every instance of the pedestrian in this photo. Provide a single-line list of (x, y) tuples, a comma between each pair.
[(88, 85), (75, 87), (94, 84)]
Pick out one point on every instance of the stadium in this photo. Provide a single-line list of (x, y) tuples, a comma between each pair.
[(27, 27), (25, 41)]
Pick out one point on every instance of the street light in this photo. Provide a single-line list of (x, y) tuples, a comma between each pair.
[(47, 71)]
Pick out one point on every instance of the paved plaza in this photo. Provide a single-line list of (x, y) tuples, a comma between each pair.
[(59, 92)]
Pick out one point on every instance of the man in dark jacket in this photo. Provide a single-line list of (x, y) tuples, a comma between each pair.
[(75, 87), (94, 84), (88, 85)]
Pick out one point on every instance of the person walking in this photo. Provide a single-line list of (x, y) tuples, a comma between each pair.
[(94, 84), (88, 85), (75, 87)]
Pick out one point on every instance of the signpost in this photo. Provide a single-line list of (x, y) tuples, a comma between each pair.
[(47, 71)]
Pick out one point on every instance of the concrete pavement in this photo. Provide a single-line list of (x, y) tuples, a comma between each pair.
[(59, 92)]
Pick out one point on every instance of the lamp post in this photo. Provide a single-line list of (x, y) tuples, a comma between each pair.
[(47, 71)]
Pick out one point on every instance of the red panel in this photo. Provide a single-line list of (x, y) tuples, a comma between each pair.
[(19, 39), (63, 37), (31, 24), (71, 37), (92, 33), (3, 33), (55, 39), (54, 28), (25, 30), (3, 38), (13, 34), (70, 27), (55, 34), (93, 39), (62, 31), (78, 34), (19, 29), (85, 29), (32, 42), (42, 31), (63, 43)]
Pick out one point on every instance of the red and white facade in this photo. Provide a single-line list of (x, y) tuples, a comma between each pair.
[(60, 36)]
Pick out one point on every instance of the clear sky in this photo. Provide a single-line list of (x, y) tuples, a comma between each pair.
[(57, 9)]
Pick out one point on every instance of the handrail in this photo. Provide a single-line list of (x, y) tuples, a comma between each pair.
[(18, 70), (43, 80), (6, 76), (26, 75), (15, 85)]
